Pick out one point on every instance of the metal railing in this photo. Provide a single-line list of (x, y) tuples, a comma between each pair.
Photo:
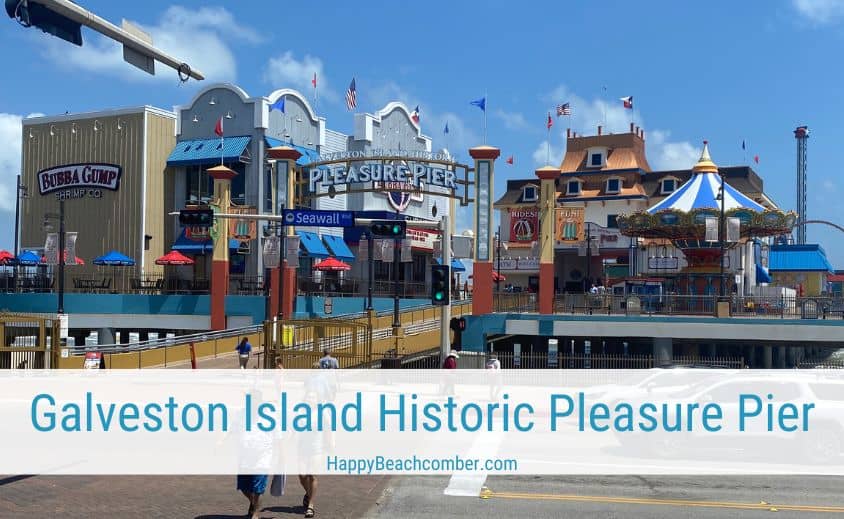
[(164, 342)]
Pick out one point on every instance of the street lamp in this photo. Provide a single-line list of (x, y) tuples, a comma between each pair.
[(61, 253), (721, 241), (20, 193)]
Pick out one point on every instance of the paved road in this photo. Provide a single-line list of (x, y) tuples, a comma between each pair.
[(373, 497), (617, 497)]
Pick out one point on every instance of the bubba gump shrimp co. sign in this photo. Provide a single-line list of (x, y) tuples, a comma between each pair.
[(79, 180)]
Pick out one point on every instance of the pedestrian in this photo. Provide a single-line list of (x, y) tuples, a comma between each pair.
[(252, 486), (593, 290), (494, 365), (327, 361), (451, 360), (244, 349), (448, 378)]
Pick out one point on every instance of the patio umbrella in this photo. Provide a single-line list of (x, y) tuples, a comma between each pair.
[(28, 258), (174, 257), (332, 265), (6, 258), (113, 259), (495, 276)]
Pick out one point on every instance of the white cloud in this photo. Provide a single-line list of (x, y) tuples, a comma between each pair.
[(511, 120), (820, 11), (285, 71), (587, 115), (199, 37), (542, 152), (10, 159)]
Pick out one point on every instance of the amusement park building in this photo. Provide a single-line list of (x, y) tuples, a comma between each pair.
[(601, 177)]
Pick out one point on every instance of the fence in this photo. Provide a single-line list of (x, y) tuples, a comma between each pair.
[(25, 341)]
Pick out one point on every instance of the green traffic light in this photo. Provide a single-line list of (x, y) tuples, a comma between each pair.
[(396, 229), (438, 296)]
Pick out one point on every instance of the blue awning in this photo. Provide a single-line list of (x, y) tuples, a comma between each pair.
[(312, 244), (308, 154), (209, 151), (456, 265), (337, 245), (189, 246), (762, 275)]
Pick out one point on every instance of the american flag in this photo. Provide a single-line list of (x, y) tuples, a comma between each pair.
[(563, 109), (351, 96)]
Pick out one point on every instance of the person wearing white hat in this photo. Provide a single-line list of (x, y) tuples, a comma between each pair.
[(448, 379), (451, 360)]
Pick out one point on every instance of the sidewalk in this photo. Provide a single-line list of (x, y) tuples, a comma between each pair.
[(177, 497)]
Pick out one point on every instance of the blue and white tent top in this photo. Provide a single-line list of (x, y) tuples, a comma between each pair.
[(702, 191)]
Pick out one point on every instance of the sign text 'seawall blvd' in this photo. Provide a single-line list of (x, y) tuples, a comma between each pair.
[(309, 217)]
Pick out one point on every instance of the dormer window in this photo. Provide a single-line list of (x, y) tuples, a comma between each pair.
[(573, 187), (529, 194), (668, 186), (596, 157), (613, 185)]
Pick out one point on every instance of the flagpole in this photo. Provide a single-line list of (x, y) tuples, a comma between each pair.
[(486, 102), (603, 105)]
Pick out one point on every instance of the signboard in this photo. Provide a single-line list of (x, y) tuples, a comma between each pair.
[(461, 247), (517, 355), (422, 239), (292, 256), (524, 224), (663, 263), (271, 252), (328, 306), (553, 353), (400, 194), (317, 218), (413, 173), (243, 229), (51, 249), (93, 360), (519, 264), (568, 224), (482, 240), (79, 180), (363, 250), (406, 256)]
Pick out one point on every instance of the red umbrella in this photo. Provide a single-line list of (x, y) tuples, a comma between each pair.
[(332, 264), (174, 257), (6, 257), (78, 260)]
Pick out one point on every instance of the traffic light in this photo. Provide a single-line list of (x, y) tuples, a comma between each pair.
[(30, 12), (440, 285), (394, 229), (196, 217)]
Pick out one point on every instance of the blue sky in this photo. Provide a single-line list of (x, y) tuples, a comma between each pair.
[(722, 71)]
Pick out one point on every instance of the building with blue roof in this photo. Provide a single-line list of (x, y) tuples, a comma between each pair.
[(804, 267)]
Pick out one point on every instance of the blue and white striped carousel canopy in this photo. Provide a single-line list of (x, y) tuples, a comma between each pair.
[(700, 192)]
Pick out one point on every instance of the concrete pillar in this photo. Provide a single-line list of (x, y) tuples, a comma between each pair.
[(767, 353), (104, 336), (285, 164), (547, 205), (781, 357), (484, 157), (663, 350), (220, 233)]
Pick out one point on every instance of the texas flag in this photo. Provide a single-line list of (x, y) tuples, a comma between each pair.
[(415, 115), (510, 159), (218, 129), (628, 102)]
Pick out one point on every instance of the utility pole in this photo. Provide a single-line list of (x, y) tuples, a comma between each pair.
[(20, 191), (588, 257), (371, 268), (445, 317), (721, 236), (62, 259)]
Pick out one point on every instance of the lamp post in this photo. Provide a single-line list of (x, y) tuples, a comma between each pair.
[(20, 192), (721, 237), (498, 268)]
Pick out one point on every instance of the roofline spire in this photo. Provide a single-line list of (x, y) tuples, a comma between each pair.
[(705, 164)]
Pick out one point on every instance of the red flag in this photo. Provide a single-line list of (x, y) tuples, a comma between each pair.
[(313, 81), (756, 159), (550, 123), (218, 129), (510, 159)]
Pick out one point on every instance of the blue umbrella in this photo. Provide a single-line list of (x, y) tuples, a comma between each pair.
[(115, 259), (29, 259)]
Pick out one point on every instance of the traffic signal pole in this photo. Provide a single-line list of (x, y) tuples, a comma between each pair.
[(445, 317)]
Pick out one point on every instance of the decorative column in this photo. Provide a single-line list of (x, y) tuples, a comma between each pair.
[(285, 165), (547, 206), (484, 157), (220, 260)]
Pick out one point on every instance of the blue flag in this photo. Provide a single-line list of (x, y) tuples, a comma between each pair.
[(278, 105), (446, 127), (480, 103), (742, 144)]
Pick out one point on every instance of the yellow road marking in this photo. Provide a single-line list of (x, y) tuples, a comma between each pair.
[(666, 502)]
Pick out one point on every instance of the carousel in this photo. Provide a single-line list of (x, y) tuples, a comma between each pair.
[(694, 218)]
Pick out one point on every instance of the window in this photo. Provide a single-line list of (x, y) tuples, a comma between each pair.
[(613, 185), (529, 193), (573, 187), (668, 186), (596, 160), (612, 221)]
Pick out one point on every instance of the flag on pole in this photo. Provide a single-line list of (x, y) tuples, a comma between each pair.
[(549, 123), (756, 159), (313, 81), (415, 115), (445, 130), (218, 128), (742, 144), (510, 159), (563, 109), (480, 103), (278, 105), (351, 96), (628, 102)]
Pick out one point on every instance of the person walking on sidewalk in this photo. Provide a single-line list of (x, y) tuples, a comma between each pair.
[(244, 349)]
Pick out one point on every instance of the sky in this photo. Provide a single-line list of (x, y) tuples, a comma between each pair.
[(722, 71)]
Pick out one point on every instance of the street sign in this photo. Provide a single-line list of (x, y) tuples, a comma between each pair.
[(317, 218)]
